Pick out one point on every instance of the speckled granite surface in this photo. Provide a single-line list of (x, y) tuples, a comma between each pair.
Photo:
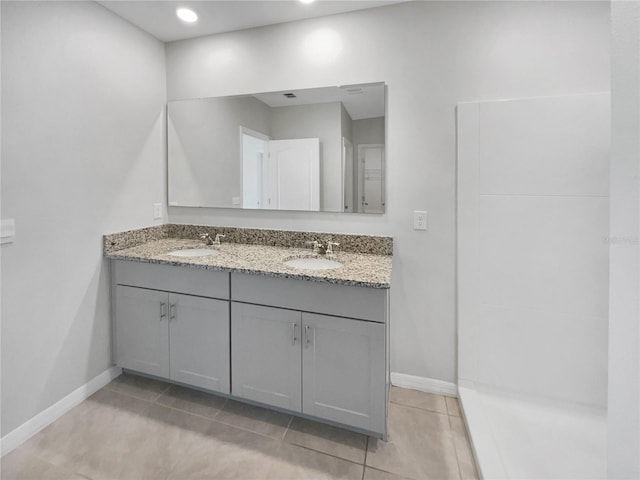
[(287, 238), (359, 269), (376, 245), (131, 238)]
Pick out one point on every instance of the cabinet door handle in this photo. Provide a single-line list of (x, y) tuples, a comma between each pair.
[(172, 311), (163, 311), (307, 341), (294, 325)]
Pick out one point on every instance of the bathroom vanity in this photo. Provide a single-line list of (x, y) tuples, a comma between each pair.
[(241, 323)]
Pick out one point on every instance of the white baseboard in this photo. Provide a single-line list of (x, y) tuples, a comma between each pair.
[(29, 428), (428, 385)]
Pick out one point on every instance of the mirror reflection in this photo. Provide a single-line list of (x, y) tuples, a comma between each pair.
[(320, 149)]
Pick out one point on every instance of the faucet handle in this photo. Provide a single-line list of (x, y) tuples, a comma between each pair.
[(330, 246), (206, 238), (217, 239), (316, 245)]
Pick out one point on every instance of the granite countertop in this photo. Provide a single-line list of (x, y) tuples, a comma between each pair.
[(363, 270)]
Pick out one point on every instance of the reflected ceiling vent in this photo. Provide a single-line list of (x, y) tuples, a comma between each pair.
[(289, 95)]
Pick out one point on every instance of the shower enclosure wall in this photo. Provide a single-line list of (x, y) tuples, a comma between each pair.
[(533, 216)]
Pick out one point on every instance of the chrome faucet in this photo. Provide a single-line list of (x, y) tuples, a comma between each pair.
[(217, 239), (206, 238), (330, 245), (319, 248), (316, 246)]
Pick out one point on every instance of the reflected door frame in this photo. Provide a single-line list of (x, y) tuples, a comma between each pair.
[(361, 177), (255, 134), (347, 176)]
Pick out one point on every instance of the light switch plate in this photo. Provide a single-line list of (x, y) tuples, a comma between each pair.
[(7, 230), (419, 220)]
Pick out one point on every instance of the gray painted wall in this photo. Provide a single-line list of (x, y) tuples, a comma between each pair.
[(83, 93), (623, 419), (431, 55), (204, 147)]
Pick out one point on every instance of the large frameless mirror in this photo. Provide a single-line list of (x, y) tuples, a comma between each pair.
[(318, 149)]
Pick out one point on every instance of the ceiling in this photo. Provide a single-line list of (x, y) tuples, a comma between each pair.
[(361, 101), (218, 16)]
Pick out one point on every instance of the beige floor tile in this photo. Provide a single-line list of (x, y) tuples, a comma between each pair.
[(256, 419), (327, 439), (74, 437), (295, 463), (414, 398), (420, 445), (194, 447), (374, 474), (453, 407), (192, 401), (22, 464), (139, 387), (122, 444), (463, 449)]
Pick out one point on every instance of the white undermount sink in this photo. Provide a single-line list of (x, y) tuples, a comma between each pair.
[(312, 263), (193, 252)]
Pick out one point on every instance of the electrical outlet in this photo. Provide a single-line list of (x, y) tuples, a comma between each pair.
[(157, 211), (419, 220)]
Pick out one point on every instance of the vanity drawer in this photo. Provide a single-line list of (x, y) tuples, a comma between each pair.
[(191, 281), (319, 297)]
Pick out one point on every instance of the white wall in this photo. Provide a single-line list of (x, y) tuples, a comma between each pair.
[(82, 155), (533, 260), (431, 55), (623, 457)]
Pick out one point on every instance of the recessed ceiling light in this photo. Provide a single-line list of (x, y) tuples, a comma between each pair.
[(186, 15), (307, 1)]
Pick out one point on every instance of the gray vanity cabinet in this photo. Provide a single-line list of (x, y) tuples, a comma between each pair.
[(332, 364), (265, 354), (316, 348), (142, 339), (199, 342), (343, 364), (163, 332)]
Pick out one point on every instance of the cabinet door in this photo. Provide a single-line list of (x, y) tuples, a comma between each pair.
[(199, 341), (265, 354), (142, 332), (343, 364)]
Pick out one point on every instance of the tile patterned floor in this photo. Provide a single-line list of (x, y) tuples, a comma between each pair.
[(138, 428)]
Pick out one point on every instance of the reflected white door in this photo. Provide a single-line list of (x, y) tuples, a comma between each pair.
[(371, 178), (253, 149), (294, 174)]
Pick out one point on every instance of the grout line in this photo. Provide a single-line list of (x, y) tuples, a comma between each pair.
[(244, 429), (222, 407), (455, 447), (126, 394), (304, 447), (162, 393), (190, 413), (364, 463), (419, 408), (395, 474), (287, 429)]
